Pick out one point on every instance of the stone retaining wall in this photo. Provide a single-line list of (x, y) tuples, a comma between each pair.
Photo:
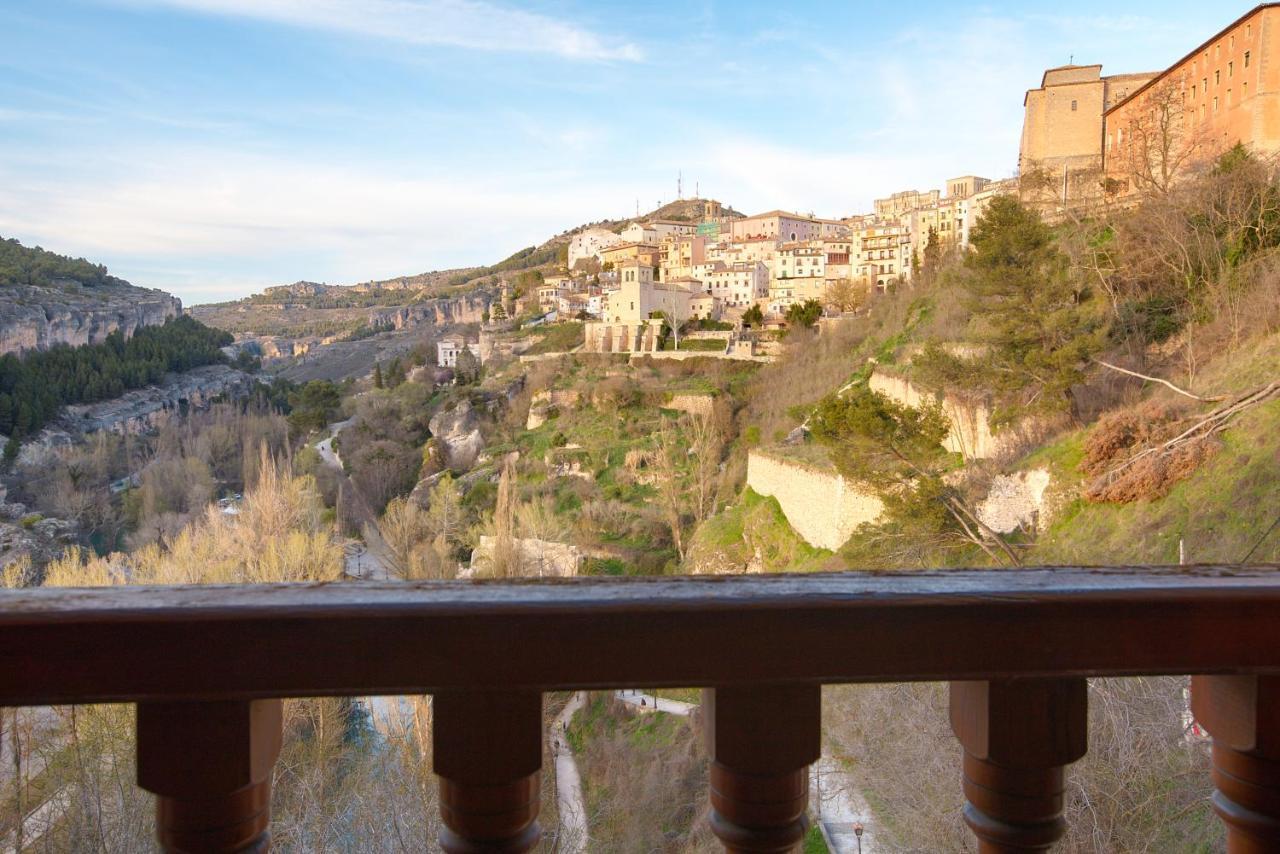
[(970, 435), (821, 505)]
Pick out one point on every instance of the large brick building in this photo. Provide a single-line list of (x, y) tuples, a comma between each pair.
[(1226, 90), (1084, 133)]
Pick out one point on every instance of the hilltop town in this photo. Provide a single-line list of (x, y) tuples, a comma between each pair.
[(853, 420)]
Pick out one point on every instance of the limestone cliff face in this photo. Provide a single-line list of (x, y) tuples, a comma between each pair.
[(464, 309), (37, 318)]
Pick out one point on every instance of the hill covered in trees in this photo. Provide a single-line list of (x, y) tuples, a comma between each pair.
[(33, 265), (34, 389)]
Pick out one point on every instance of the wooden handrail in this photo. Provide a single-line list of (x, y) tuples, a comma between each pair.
[(208, 664), (157, 644)]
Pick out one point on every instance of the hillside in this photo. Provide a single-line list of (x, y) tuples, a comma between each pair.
[(48, 299)]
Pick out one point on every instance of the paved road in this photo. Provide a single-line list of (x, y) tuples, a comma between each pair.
[(371, 559), (325, 446), (833, 791), (839, 803), (569, 803), (650, 703)]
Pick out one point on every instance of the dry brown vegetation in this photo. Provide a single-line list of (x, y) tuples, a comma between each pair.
[(1143, 786), (644, 777)]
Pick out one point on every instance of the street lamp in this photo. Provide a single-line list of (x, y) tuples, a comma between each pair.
[(857, 831)]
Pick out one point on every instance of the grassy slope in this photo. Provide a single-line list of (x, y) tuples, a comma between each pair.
[(1219, 512), (728, 541)]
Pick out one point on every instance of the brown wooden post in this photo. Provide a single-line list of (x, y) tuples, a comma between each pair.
[(209, 765), (487, 750), (1018, 735), (762, 740), (1242, 713)]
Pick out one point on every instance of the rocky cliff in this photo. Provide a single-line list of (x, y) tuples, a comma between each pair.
[(36, 317), (464, 309)]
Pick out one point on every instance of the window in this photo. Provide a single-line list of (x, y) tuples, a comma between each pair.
[(1217, 77), (1204, 85), (1074, 104), (1215, 103), (1231, 68), (1246, 59)]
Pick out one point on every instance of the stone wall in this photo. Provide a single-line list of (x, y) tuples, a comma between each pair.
[(820, 504), (970, 435)]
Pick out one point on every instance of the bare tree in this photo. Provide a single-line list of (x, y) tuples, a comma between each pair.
[(670, 488), (1160, 144), (845, 295)]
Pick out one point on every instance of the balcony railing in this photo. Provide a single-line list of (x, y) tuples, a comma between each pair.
[(208, 665)]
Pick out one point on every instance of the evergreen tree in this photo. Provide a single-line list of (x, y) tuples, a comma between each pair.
[(377, 376), (1040, 326)]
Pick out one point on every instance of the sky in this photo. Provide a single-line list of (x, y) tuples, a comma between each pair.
[(216, 147)]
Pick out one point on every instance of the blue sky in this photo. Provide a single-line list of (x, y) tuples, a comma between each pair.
[(214, 147)]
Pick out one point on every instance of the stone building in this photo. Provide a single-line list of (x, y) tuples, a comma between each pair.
[(1060, 157), (904, 202), (779, 226)]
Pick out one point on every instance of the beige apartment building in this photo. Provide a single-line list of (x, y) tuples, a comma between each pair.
[(739, 285), (883, 253), (679, 254), (904, 202), (799, 274), (645, 253)]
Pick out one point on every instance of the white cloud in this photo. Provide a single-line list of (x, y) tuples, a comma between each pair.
[(209, 225), (472, 24)]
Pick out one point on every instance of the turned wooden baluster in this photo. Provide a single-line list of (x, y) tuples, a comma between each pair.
[(1242, 713), (761, 741), (487, 750), (209, 765), (1018, 735)]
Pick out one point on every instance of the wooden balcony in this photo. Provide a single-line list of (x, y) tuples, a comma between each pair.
[(207, 666)]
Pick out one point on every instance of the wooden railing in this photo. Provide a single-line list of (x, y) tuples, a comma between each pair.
[(207, 667)]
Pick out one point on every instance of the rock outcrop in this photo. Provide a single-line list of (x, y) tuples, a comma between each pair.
[(32, 536), (37, 318), (534, 558), (146, 409), (463, 309), (457, 429)]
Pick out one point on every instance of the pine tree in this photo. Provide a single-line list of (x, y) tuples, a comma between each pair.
[(1042, 327), (377, 376)]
